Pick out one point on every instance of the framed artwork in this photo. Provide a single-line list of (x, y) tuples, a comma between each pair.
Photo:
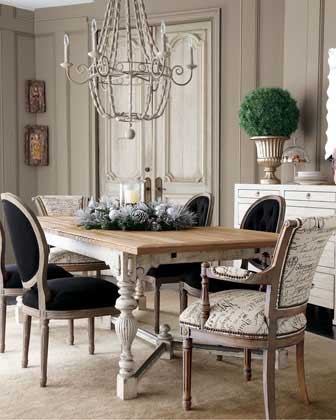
[(36, 145), (35, 96)]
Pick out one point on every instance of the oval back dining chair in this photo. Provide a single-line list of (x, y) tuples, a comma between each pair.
[(202, 206), (266, 214), (255, 319), (67, 205), (61, 298), (11, 285)]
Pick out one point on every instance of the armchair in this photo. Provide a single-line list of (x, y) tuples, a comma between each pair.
[(255, 319)]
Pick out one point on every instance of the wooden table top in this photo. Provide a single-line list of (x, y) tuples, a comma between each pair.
[(147, 243)]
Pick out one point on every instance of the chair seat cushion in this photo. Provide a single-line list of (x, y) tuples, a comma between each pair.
[(75, 293), (13, 279), (61, 256), (239, 312)]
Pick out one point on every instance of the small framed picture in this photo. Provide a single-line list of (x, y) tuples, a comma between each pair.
[(35, 96), (36, 145)]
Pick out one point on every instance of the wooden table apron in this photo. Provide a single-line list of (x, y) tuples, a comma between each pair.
[(130, 255)]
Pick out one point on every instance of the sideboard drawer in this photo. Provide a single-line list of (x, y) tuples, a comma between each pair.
[(256, 193), (322, 297), (323, 281), (242, 208), (307, 211), (310, 195)]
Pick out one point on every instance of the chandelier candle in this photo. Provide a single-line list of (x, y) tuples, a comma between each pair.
[(110, 71)]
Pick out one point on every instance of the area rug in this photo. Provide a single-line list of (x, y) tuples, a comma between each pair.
[(81, 386)]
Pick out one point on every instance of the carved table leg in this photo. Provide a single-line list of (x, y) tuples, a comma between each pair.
[(140, 289), (167, 338), (126, 327)]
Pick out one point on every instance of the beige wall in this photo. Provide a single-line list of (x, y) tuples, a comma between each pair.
[(17, 63), (252, 55), (310, 31)]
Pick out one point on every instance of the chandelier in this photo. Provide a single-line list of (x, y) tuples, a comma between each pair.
[(115, 67)]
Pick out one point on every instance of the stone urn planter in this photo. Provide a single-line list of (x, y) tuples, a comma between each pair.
[(269, 154), (269, 116)]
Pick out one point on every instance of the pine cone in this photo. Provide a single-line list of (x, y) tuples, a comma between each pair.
[(139, 216)]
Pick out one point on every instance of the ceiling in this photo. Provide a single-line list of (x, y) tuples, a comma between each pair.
[(36, 4)]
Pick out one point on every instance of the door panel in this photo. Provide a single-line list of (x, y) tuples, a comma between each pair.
[(175, 151), (184, 135), (121, 158)]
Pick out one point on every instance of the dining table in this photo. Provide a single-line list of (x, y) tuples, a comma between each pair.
[(130, 254)]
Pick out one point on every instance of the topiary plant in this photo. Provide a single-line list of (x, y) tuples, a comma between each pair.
[(269, 112)]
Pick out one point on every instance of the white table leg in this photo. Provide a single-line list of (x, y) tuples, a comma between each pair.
[(18, 311), (126, 327), (140, 289)]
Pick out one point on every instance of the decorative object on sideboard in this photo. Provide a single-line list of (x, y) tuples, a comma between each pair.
[(310, 178), (132, 191), (36, 145), (269, 116), (35, 96), (143, 64), (330, 147), (295, 155), (109, 214)]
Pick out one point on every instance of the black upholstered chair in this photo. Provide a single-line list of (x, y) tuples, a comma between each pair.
[(202, 206), (11, 285), (61, 298), (266, 214)]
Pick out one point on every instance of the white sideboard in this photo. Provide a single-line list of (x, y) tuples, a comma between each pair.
[(301, 201)]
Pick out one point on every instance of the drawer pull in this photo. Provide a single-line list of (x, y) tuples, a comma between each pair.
[(257, 193), (312, 286), (308, 195)]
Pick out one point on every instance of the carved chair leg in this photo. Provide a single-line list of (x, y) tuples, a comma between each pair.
[(44, 351), (98, 273), (183, 298), (91, 330), (3, 313), (187, 362), (157, 287), (71, 332), (269, 383), (301, 372), (26, 339), (247, 365)]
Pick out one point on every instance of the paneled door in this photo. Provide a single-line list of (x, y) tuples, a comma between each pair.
[(177, 153)]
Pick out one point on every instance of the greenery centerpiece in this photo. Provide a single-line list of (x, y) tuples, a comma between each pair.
[(269, 116), (110, 215)]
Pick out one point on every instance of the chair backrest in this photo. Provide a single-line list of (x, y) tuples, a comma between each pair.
[(29, 245), (202, 206), (59, 205), (266, 214), (2, 258), (297, 255)]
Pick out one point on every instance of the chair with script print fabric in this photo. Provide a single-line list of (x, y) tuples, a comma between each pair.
[(255, 319)]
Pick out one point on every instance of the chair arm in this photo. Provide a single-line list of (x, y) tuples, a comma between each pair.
[(239, 275)]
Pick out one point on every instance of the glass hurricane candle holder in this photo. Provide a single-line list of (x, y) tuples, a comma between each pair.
[(131, 192)]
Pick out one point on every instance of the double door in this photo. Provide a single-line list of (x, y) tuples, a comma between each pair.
[(174, 154)]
